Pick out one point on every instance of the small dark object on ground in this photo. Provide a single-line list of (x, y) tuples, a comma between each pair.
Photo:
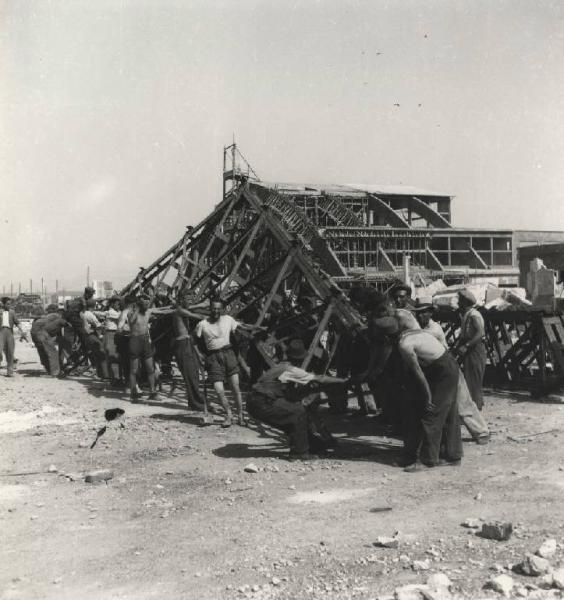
[(113, 413), (98, 476), (496, 530), (379, 509)]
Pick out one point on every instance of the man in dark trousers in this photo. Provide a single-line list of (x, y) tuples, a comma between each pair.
[(44, 333), (8, 320), (185, 352), (433, 414), (276, 399)]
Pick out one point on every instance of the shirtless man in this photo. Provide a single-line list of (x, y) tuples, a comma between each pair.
[(435, 411), (138, 317)]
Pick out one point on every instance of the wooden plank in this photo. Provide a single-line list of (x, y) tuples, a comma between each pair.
[(279, 278), (320, 329)]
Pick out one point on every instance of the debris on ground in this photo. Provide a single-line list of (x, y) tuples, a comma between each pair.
[(496, 530), (98, 476), (533, 566), (251, 468)]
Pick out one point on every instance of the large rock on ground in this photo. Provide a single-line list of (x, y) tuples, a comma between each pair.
[(547, 548), (502, 584), (533, 566)]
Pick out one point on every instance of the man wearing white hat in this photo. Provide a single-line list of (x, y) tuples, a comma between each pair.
[(276, 399)]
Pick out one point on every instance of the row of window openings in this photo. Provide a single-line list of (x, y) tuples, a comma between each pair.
[(478, 243), (445, 258)]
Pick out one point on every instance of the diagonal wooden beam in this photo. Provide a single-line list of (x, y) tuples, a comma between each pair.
[(279, 278), (259, 223), (320, 329)]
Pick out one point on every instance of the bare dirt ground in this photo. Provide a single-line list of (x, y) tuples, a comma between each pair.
[(181, 518)]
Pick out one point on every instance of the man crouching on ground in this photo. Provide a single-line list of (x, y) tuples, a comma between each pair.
[(276, 399)]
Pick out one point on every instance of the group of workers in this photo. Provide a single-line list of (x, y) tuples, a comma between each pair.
[(401, 353)]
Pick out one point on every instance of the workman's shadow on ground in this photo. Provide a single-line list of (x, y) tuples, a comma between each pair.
[(251, 451), (348, 450), (187, 418), (33, 373)]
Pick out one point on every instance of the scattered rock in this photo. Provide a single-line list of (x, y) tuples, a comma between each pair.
[(472, 523), (414, 591), (438, 581), (558, 579), (497, 530), (275, 581), (547, 548), (386, 542), (52, 469), (98, 476), (420, 565), (251, 468), (478, 496), (533, 566), (545, 582), (502, 584)]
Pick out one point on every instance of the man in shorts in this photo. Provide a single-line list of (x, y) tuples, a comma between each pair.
[(215, 338)]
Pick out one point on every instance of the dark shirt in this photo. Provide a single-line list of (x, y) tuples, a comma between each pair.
[(274, 383), (52, 324)]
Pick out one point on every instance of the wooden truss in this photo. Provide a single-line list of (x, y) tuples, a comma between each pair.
[(262, 256), (525, 348)]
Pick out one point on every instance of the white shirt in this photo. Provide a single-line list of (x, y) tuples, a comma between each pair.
[(216, 335), (112, 318), (89, 321), (5, 318)]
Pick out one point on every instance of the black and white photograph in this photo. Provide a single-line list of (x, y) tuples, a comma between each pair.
[(282, 299)]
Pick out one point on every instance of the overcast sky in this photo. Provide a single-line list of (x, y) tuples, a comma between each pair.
[(114, 113)]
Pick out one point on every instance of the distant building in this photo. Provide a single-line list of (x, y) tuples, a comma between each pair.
[(103, 289)]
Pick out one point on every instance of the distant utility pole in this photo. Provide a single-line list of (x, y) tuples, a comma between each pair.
[(19, 288), (11, 289), (31, 286), (56, 285), (87, 275)]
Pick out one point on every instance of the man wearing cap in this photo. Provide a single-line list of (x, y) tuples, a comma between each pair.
[(8, 320), (433, 416), (44, 333), (276, 399), (470, 345), (424, 314), (467, 410)]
